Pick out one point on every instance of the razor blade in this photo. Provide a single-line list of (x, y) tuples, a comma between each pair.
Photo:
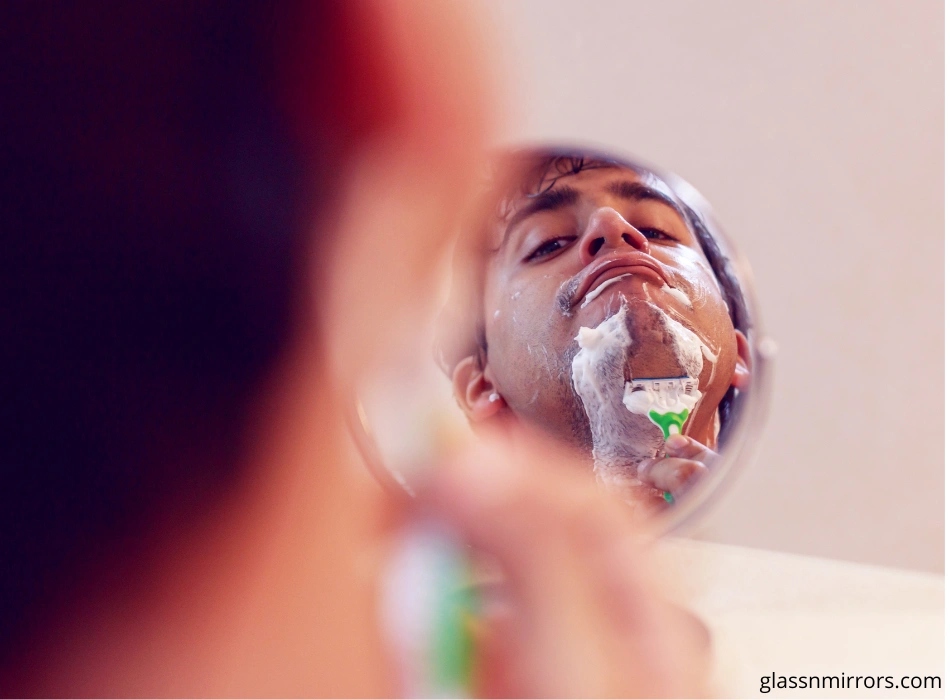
[(685, 384)]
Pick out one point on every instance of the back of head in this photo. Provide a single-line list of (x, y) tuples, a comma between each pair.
[(159, 167)]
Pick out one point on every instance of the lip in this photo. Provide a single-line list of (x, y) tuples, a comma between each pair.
[(633, 262)]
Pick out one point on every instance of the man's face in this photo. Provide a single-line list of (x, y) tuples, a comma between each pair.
[(552, 255)]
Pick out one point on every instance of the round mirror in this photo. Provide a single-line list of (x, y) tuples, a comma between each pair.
[(595, 299)]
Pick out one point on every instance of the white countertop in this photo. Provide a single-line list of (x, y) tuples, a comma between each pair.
[(804, 616)]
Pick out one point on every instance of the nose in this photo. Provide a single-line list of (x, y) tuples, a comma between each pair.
[(607, 231)]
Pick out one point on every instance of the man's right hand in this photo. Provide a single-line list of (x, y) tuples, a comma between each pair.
[(584, 617)]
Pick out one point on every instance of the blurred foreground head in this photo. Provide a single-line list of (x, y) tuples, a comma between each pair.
[(194, 196)]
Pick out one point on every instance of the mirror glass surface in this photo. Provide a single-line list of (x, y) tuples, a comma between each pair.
[(595, 299)]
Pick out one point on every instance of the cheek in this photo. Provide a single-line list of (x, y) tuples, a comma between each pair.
[(709, 315), (525, 340), (693, 276), (517, 309)]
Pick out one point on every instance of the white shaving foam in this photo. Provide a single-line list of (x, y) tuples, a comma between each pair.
[(688, 347), (594, 293), (620, 440), (622, 433), (677, 294)]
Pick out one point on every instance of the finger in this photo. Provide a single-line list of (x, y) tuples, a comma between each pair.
[(497, 676), (671, 474), (686, 447)]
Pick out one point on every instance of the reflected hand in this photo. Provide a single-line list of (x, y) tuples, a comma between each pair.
[(686, 462)]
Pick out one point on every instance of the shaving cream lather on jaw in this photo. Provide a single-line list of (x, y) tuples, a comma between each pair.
[(631, 420)]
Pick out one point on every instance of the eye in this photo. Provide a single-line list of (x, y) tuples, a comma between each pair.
[(655, 234), (549, 248)]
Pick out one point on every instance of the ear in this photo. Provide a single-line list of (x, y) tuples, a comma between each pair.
[(742, 376), (474, 391)]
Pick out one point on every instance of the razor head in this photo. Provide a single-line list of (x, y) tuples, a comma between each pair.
[(684, 384)]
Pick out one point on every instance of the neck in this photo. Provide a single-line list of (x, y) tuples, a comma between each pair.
[(271, 592)]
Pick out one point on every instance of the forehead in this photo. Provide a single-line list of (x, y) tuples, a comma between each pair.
[(589, 178)]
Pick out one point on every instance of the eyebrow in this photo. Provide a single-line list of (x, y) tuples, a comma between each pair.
[(637, 191), (550, 200)]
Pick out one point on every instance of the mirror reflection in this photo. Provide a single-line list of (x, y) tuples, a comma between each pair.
[(592, 298)]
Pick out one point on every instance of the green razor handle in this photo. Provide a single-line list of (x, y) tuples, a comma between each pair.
[(666, 422)]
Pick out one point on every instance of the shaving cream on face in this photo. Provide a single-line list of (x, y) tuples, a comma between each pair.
[(594, 293), (687, 346), (677, 294), (629, 421), (621, 440)]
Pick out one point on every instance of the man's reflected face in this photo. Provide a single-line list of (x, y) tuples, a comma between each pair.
[(571, 256)]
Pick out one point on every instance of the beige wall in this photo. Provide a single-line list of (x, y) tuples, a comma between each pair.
[(816, 131)]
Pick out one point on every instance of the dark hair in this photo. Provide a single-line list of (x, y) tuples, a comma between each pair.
[(530, 173), (158, 172)]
